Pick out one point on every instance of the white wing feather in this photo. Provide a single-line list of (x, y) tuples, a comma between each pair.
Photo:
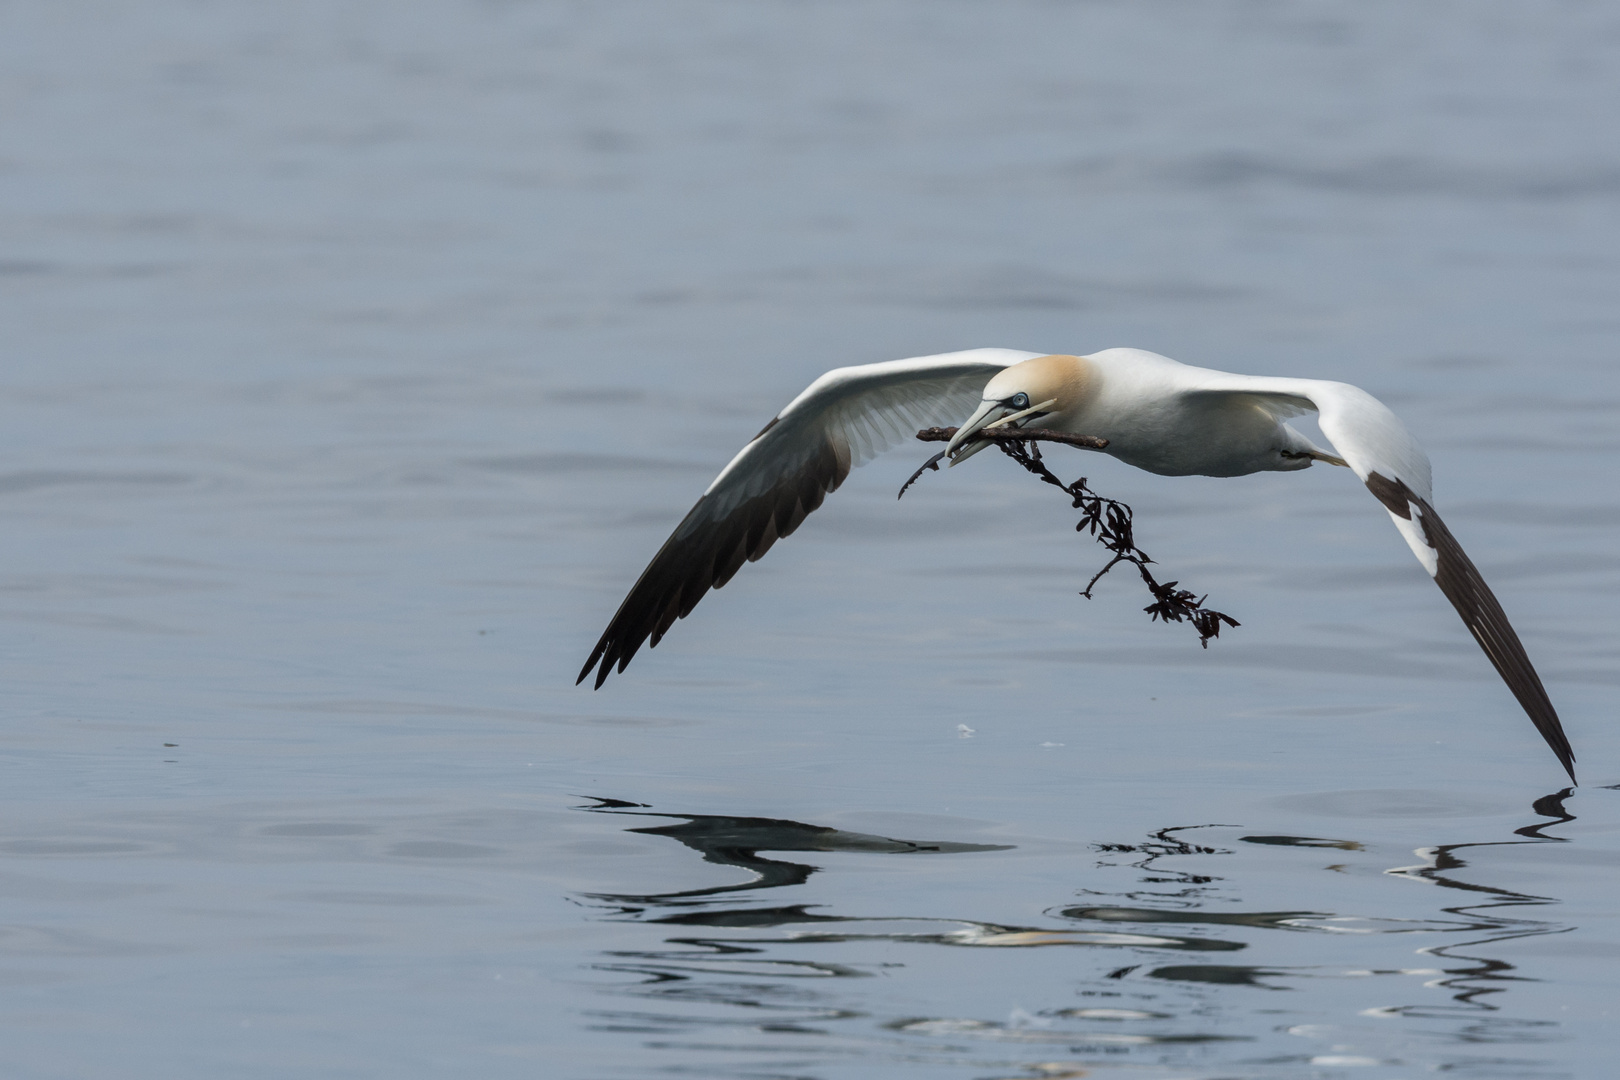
[(862, 411), (1369, 437)]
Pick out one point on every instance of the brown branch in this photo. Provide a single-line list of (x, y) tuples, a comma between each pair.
[(1006, 435), (1109, 521)]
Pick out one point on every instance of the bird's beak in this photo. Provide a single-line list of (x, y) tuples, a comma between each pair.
[(988, 413), (991, 414)]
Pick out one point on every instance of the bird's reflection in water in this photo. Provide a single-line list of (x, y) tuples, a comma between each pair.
[(737, 841), (737, 971)]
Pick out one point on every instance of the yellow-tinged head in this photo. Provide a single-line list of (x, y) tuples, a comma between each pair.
[(1024, 394)]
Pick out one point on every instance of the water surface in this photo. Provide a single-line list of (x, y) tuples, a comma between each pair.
[(357, 357)]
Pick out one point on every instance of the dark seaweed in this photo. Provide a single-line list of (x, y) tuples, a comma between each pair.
[(1109, 521)]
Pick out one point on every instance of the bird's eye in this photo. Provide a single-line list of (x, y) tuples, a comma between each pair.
[(1019, 401)]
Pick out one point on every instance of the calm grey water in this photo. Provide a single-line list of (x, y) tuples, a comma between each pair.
[(357, 356)]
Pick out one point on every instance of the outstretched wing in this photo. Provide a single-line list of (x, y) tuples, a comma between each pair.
[(1396, 470), (844, 418)]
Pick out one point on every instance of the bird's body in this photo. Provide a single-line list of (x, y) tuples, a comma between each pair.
[(1150, 410), (1156, 414)]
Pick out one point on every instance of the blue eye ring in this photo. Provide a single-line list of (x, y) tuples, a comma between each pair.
[(1019, 400)]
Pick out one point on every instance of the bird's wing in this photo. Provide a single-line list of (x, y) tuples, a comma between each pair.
[(1396, 470), (843, 419)]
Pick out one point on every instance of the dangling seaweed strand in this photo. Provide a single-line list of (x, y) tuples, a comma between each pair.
[(1109, 521)]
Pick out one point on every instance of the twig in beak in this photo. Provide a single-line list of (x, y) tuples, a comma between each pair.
[(1005, 420), (1085, 442)]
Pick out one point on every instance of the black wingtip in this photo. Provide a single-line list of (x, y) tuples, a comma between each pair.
[(596, 654), (1567, 760), (1463, 585)]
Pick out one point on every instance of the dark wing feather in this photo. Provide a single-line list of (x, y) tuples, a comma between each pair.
[(1463, 585), (704, 552), (1460, 580), (784, 473)]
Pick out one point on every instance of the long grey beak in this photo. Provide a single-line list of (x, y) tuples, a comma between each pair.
[(983, 421), (988, 413)]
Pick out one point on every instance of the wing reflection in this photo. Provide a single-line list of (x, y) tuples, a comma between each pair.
[(737, 841), (749, 971), (1494, 912)]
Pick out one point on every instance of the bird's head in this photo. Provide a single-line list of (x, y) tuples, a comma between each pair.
[(1025, 395)]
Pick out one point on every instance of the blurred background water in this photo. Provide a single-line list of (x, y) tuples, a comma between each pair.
[(356, 356)]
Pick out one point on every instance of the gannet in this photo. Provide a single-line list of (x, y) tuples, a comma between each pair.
[(1157, 414)]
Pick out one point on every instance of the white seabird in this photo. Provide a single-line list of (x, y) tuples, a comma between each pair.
[(1157, 414)]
